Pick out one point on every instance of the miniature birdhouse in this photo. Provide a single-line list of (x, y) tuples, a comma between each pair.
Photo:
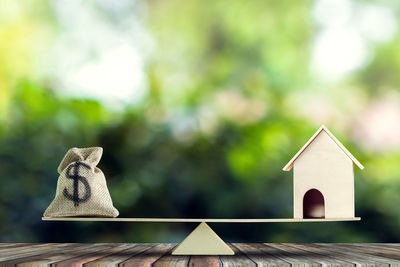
[(323, 178)]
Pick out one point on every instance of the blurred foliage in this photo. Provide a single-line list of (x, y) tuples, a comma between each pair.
[(228, 103)]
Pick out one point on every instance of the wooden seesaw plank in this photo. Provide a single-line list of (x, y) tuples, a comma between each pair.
[(183, 220)]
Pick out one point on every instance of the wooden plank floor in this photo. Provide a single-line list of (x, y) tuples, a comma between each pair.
[(252, 254)]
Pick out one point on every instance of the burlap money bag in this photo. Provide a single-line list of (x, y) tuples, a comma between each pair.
[(81, 186)]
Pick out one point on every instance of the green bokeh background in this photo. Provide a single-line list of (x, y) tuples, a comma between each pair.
[(230, 91)]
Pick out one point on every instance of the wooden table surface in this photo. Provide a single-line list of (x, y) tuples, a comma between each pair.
[(252, 254)]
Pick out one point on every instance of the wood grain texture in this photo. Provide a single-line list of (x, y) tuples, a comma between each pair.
[(88, 257), (371, 257), (124, 254), (204, 261), (252, 254), (260, 257), (349, 255), (26, 251), (148, 257), (385, 252), (323, 256), (239, 259), (172, 261), (13, 245), (292, 259), (325, 259), (46, 257)]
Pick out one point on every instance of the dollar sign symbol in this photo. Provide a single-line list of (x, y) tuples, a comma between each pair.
[(76, 177)]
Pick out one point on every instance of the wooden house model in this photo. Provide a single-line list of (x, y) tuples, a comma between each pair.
[(323, 178)]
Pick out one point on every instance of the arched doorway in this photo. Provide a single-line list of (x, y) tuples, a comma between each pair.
[(313, 204)]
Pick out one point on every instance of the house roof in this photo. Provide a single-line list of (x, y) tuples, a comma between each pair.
[(289, 165)]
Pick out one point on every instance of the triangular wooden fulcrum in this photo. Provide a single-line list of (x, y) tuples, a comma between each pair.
[(202, 241)]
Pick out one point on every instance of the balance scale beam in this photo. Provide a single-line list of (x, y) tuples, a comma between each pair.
[(203, 240), (188, 220)]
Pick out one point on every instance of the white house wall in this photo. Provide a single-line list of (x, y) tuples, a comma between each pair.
[(324, 166)]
